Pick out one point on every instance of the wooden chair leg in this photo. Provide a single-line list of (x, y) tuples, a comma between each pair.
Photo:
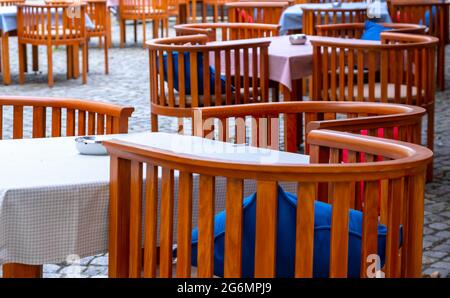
[(69, 58), (84, 67), (135, 31), (108, 27), (15, 270), (441, 67), (50, 65), (21, 65), (87, 61), (5, 59), (76, 61), (216, 13), (430, 140), (25, 58), (106, 54), (154, 122), (35, 52), (122, 33)]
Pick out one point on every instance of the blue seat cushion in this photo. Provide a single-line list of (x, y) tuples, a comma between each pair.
[(187, 73), (286, 226), (427, 16), (372, 31)]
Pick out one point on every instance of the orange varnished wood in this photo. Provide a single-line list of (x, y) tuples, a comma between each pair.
[(399, 161), (117, 114)]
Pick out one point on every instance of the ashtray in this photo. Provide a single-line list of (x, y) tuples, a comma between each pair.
[(297, 39), (90, 145), (336, 4)]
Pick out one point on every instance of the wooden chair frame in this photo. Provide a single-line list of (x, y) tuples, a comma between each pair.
[(355, 30), (271, 121), (339, 72), (228, 31), (98, 12), (415, 12), (312, 17), (402, 174), (143, 11), (249, 85), (82, 116), (261, 12), (36, 26)]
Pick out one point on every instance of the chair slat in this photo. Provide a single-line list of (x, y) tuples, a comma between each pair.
[(339, 230), (151, 223), (39, 122), (266, 229), (136, 220), (166, 241), (206, 227), (304, 252), (370, 224), (184, 225), (233, 225), (56, 122)]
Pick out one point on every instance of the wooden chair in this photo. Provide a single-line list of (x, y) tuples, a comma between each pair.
[(433, 14), (143, 11), (69, 117), (399, 70), (355, 30), (83, 117), (313, 17), (228, 31), (255, 12), (99, 15), (4, 50), (239, 82), (52, 25), (401, 194), (275, 125)]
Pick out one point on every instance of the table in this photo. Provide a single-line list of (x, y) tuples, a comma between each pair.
[(291, 19), (8, 24), (54, 201)]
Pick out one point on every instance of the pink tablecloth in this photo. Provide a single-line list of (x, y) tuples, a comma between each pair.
[(287, 62)]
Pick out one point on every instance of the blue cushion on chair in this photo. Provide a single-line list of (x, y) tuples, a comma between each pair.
[(187, 73), (286, 238), (427, 16), (372, 31)]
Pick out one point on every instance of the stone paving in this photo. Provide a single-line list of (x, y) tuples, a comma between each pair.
[(128, 84)]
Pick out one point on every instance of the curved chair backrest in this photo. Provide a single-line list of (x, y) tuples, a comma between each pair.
[(355, 30), (263, 125), (81, 117), (401, 172), (10, 2), (400, 69), (433, 14), (228, 31), (187, 73), (130, 8), (429, 13), (255, 12), (313, 17), (36, 23)]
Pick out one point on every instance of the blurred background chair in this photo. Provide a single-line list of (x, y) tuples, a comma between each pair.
[(185, 73), (399, 70), (142, 11), (99, 14), (255, 12), (434, 15), (51, 25)]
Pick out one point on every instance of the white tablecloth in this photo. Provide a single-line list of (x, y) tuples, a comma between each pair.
[(54, 201)]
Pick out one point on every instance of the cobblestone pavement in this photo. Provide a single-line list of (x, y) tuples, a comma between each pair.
[(128, 84)]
